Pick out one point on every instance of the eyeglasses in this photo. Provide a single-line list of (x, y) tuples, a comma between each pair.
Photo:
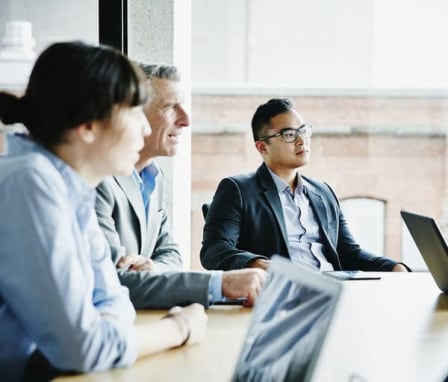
[(289, 134)]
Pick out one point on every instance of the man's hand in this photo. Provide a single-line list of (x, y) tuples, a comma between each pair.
[(243, 283), (259, 263), (136, 263), (399, 268)]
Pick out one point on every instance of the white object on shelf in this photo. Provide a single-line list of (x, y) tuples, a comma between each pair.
[(18, 42), (16, 55)]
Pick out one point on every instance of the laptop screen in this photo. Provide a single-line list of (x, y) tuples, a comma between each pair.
[(288, 326), (431, 244)]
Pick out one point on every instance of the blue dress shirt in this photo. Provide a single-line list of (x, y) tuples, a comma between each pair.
[(304, 241), (147, 183), (57, 279)]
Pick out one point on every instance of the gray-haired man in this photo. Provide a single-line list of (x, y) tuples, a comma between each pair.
[(131, 211)]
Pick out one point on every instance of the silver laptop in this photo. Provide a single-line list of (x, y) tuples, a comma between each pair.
[(431, 244), (289, 324)]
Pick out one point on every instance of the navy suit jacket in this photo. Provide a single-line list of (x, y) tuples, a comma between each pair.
[(245, 221)]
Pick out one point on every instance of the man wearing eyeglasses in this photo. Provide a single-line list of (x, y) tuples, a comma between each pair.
[(275, 210)]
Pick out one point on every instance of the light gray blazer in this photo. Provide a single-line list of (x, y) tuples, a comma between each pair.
[(121, 214)]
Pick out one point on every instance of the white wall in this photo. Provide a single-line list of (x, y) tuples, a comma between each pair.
[(410, 47), (317, 44)]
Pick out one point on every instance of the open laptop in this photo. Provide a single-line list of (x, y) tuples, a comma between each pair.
[(431, 244), (289, 324)]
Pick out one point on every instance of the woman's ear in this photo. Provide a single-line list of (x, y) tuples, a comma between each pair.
[(86, 132)]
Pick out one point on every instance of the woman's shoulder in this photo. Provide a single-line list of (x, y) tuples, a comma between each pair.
[(28, 166)]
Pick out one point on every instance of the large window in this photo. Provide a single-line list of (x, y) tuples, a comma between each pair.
[(366, 219), (371, 80)]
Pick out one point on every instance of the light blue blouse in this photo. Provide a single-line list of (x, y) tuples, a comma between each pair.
[(57, 279)]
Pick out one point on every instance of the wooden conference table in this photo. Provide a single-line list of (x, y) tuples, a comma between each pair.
[(393, 329)]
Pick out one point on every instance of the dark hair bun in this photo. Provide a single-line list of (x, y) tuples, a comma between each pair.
[(10, 108)]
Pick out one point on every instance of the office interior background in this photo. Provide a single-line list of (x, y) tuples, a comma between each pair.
[(371, 77)]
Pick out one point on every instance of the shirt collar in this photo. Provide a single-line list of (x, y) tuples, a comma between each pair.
[(152, 169), (282, 186)]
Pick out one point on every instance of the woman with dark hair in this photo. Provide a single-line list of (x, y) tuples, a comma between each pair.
[(62, 308)]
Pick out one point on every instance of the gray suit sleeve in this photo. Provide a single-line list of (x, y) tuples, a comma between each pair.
[(104, 206), (149, 290)]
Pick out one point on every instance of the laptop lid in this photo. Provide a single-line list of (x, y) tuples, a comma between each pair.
[(289, 323), (431, 244)]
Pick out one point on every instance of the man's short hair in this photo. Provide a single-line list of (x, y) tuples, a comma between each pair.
[(266, 111), (161, 71)]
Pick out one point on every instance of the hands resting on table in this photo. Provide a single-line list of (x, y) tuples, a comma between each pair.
[(188, 325), (236, 284)]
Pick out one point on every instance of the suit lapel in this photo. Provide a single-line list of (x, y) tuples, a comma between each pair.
[(320, 211), (272, 199), (153, 222), (132, 192), (319, 208)]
